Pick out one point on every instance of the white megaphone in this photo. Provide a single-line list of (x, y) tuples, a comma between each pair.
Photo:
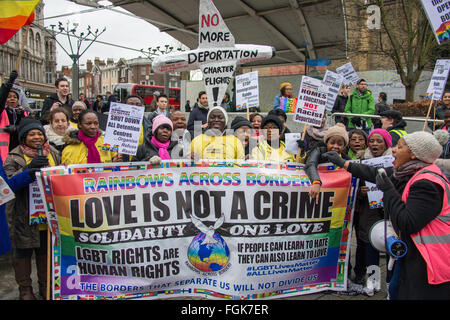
[(380, 239)]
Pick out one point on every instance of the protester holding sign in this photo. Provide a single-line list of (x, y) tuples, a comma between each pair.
[(379, 145), (423, 273), (158, 145), (86, 144), (285, 92), (29, 238), (213, 144), (271, 148), (335, 139)]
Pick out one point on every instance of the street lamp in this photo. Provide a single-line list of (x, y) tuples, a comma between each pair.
[(75, 49)]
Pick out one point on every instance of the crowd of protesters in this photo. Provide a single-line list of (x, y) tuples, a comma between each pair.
[(71, 132)]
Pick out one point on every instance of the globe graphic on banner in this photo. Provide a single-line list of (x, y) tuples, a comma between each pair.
[(208, 257)]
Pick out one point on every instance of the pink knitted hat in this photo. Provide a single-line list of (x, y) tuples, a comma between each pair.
[(159, 121), (386, 136)]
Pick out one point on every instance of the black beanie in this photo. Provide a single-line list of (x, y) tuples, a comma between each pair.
[(239, 122), (27, 124), (274, 119)]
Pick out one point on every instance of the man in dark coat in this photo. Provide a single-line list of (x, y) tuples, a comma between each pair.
[(58, 99)]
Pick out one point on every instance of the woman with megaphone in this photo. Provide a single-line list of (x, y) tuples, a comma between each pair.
[(33, 153), (416, 200)]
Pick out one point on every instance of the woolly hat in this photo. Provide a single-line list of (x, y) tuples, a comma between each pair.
[(239, 122), (159, 121), (221, 110), (441, 136), (274, 119), (284, 84), (27, 124), (336, 130), (386, 136), (424, 146)]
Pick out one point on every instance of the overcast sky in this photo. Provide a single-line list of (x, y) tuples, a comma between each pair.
[(120, 29)]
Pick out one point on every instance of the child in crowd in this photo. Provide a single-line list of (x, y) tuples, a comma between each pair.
[(335, 139), (243, 131)]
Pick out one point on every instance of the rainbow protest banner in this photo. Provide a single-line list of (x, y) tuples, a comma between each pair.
[(288, 104), (229, 230)]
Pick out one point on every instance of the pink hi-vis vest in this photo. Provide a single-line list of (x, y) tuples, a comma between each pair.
[(433, 241), (4, 136)]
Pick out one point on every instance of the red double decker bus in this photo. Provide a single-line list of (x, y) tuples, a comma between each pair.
[(122, 90)]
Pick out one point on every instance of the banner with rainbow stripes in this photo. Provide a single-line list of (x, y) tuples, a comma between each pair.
[(288, 104), (438, 14), (227, 230)]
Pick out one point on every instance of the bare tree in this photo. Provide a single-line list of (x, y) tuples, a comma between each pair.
[(403, 38)]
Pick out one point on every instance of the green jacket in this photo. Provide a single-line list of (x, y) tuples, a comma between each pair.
[(362, 104)]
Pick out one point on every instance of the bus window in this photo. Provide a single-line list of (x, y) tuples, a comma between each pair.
[(139, 91)]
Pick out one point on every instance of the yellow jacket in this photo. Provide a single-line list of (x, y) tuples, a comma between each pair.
[(263, 151), (222, 147), (76, 151)]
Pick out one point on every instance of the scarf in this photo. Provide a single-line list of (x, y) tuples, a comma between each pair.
[(162, 148), (368, 154), (31, 152), (53, 137), (93, 154), (317, 133), (409, 168)]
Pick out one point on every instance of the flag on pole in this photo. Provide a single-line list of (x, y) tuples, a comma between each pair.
[(14, 14)]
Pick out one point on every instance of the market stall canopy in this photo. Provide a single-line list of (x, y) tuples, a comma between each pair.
[(286, 25)]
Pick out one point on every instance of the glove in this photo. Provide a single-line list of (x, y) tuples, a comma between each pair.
[(383, 181), (9, 129), (356, 121), (12, 77), (36, 164), (155, 160), (333, 157)]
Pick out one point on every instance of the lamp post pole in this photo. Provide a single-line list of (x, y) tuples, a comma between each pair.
[(75, 49)]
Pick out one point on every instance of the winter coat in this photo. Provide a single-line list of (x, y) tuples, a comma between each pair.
[(76, 151), (17, 182), (25, 236), (197, 114), (360, 104), (315, 158), (55, 139), (424, 203), (147, 150), (50, 100), (339, 106)]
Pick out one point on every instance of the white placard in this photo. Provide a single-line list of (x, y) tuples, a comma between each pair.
[(6, 194), (333, 80), (438, 13), (349, 74), (291, 142), (375, 196), (247, 90), (123, 128), (439, 79), (36, 204), (311, 101)]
